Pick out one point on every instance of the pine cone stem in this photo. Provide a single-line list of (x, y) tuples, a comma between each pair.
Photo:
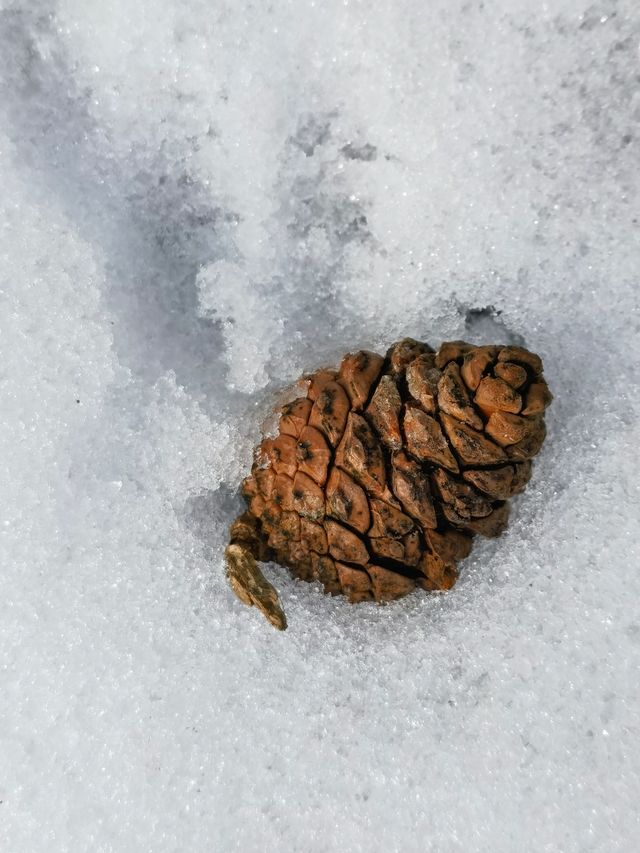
[(251, 586)]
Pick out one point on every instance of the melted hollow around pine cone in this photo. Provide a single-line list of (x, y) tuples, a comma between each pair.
[(383, 471)]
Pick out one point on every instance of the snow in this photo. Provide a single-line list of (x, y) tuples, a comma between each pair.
[(199, 202)]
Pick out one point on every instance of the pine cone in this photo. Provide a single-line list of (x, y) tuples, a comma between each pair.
[(382, 473)]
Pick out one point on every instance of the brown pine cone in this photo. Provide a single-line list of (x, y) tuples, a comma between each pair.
[(384, 470)]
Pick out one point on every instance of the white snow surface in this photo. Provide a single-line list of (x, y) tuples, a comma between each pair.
[(200, 201)]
